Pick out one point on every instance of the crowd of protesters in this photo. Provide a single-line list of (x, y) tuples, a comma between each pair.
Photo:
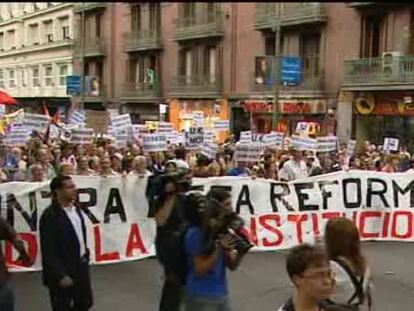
[(40, 161)]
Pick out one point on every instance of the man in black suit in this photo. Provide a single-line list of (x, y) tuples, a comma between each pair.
[(65, 256)]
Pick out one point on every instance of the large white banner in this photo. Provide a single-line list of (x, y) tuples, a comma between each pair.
[(278, 215)]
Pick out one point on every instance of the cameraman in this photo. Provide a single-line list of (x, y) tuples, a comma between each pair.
[(172, 224), (206, 284)]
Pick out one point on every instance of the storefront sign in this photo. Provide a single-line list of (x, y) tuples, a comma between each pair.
[(257, 106), (316, 106), (386, 105)]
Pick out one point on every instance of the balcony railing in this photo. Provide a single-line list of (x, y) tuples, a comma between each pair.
[(291, 14), (85, 6), (379, 71), (209, 24), (142, 40), (140, 90), (93, 47), (196, 85)]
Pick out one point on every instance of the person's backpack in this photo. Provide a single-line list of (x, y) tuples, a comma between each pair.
[(325, 305), (358, 295)]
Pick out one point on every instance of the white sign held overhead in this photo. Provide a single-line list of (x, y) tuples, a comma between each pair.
[(198, 117), (246, 137), (36, 122), (165, 127), (78, 117), (121, 121), (302, 127), (82, 136), (209, 150), (391, 144), (327, 143), (303, 143), (154, 142), (194, 138), (122, 137), (350, 149), (209, 136), (248, 152), (274, 139), (18, 136), (222, 125)]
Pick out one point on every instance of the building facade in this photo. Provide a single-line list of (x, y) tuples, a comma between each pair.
[(206, 57), (377, 91), (36, 43), (217, 59)]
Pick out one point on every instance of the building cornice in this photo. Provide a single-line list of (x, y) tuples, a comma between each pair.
[(37, 48)]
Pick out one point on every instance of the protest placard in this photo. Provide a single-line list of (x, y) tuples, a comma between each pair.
[(391, 144), (245, 137), (121, 121), (198, 117), (274, 139), (302, 127), (209, 136), (154, 142), (82, 136), (327, 143), (122, 137), (36, 122), (303, 143), (78, 117), (165, 127), (350, 149), (222, 125), (97, 120), (17, 136), (194, 138), (209, 150), (248, 152)]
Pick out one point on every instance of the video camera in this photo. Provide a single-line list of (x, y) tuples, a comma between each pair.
[(219, 221), (157, 185)]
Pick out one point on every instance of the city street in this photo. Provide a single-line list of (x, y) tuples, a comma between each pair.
[(260, 284)]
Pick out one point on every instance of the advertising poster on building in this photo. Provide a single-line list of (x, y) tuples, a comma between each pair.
[(264, 70)]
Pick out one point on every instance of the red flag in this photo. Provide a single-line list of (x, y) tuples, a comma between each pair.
[(56, 118), (6, 99), (46, 111)]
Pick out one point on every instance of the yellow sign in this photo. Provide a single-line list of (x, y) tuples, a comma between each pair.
[(365, 105)]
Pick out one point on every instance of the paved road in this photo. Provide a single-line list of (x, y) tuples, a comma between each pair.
[(260, 283)]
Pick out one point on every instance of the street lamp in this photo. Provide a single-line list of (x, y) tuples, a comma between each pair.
[(83, 55), (276, 29)]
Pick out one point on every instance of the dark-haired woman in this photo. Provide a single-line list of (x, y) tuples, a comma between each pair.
[(349, 265)]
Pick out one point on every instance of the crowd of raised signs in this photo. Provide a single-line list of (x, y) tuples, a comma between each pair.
[(36, 148)]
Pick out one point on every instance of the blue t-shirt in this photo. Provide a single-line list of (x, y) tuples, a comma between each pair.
[(211, 285), (238, 171)]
